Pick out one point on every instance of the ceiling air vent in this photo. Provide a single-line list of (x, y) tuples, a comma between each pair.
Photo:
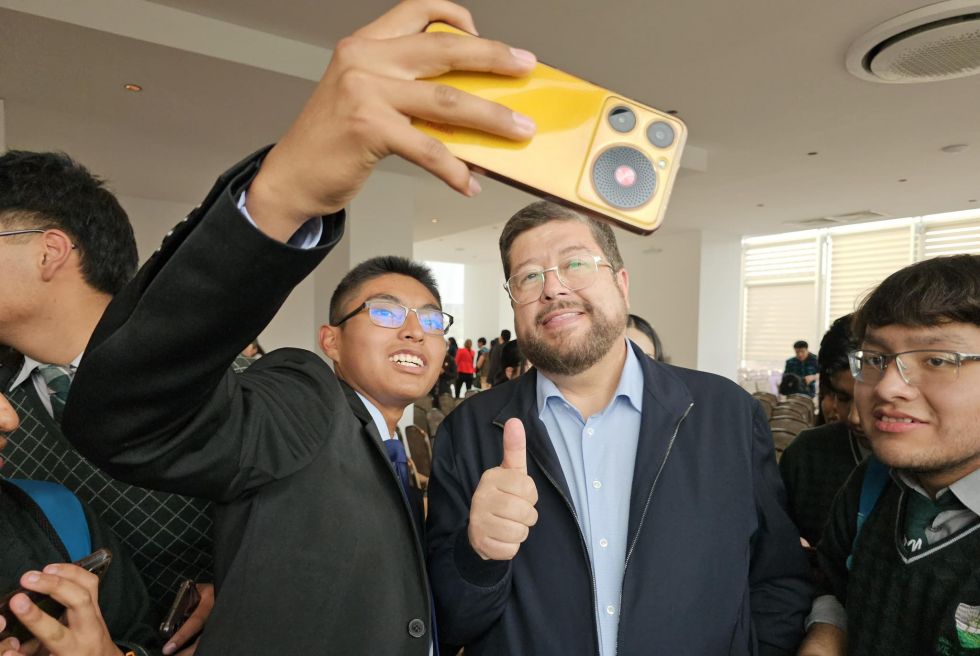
[(937, 42)]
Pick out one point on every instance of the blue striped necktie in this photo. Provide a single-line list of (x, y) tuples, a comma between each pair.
[(58, 380), (398, 457)]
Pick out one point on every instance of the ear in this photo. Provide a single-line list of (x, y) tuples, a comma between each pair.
[(623, 281), (330, 341), (56, 254)]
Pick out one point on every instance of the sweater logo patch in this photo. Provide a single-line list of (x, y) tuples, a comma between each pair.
[(968, 626)]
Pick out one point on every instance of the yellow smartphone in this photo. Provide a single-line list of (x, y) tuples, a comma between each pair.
[(594, 150)]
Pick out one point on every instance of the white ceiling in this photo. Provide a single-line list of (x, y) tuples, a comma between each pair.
[(759, 83)]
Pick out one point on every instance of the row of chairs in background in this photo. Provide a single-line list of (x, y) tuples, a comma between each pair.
[(425, 424), (788, 417)]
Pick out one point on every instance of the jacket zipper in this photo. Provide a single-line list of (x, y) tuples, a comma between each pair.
[(585, 547), (643, 516)]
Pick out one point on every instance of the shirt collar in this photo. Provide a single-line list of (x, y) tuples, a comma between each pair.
[(967, 489), (630, 384), (379, 420), (30, 366)]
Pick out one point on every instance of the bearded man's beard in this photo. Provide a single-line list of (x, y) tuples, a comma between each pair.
[(573, 355)]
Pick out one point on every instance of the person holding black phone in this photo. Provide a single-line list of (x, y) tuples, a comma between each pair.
[(111, 617)]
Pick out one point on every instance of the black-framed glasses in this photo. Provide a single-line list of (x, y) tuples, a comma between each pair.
[(389, 314), (575, 273), (28, 231), (919, 367)]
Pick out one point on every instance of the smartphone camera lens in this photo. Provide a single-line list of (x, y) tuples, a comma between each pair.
[(622, 119), (660, 134)]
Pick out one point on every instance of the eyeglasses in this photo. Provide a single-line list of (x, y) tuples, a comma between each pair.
[(575, 273), (28, 231), (921, 367), (389, 314)]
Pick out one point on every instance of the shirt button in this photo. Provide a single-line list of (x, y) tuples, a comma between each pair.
[(610, 610), (603, 543), (597, 484), (416, 628), (590, 431)]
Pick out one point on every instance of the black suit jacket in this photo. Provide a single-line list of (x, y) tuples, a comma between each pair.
[(316, 550)]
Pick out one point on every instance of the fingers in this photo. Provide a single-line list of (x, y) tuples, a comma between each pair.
[(45, 628), (413, 15), (515, 446), (430, 54), (434, 157), (9, 647), (8, 417), (75, 589), (194, 624)]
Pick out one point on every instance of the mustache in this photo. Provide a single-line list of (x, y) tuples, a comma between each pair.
[(584, 306)]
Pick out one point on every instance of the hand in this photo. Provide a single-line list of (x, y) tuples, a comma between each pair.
[(194, 624), (84, 632), (824, 640), (9, 421), (502, 511), (361, 112)]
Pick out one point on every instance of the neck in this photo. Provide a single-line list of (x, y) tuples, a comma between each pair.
[(61, 329), (591, 390), (934, 481)]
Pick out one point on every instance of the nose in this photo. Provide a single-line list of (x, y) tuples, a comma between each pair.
[(894, 384), (412, 328), (552, 286), (853, 418)]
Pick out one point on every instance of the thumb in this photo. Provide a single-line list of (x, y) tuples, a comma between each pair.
[(515, 446), (8, 417)]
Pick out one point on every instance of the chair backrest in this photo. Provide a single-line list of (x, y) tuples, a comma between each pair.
[(782, 438), (418, 444), (418, 418), (471, 392), (769, 396), (446, 403), (424, 402), (434, 417), (789, 411), (791, 424)]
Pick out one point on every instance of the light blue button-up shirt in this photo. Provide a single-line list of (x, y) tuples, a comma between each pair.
[(597, 457)]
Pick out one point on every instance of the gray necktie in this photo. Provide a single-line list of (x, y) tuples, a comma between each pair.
[(58, 380)]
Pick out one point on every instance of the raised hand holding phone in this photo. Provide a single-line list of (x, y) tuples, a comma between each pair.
[(502, 510)]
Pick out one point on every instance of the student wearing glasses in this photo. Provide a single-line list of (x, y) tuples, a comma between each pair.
[(906, 579)]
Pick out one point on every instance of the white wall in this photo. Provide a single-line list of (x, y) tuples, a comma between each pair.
[(719, 304), (664, 274)]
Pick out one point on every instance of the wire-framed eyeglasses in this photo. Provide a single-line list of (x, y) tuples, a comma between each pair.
[(28, 231), (575, 273), (389, 314), (918, 367)]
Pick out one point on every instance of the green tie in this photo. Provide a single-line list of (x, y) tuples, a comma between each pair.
[(58, 380), (920, 513)]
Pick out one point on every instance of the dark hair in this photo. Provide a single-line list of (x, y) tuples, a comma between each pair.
[(50, 190), (512, 357), (791, 384), (836, 342), (800, 344), (375, 268), (505, 334), (481, 340), (641, 324), (542, 212), (928, 293)]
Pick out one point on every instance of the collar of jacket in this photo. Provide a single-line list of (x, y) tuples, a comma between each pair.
[(666, 402)]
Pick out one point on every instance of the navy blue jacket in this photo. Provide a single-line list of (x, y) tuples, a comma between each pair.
[(714, 564)]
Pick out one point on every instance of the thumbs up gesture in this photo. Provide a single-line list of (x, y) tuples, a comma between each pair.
[(502, 511)]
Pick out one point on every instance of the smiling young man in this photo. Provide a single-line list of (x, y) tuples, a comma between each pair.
[(604, 502), (908, 578), (316, 550)]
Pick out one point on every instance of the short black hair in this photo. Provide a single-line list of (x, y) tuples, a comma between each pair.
[(542, 212), (836, 342), (51, 190), (505, 334), (374, 268), (800, 344), (481, 340), (928, 293), (641, 324)]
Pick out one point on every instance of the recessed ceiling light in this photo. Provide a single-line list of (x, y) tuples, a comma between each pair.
[(760, 204), (435, 220), (812, 153), (135, 88), (460, 248), (903, 179), (972, 200), (954, 148)]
